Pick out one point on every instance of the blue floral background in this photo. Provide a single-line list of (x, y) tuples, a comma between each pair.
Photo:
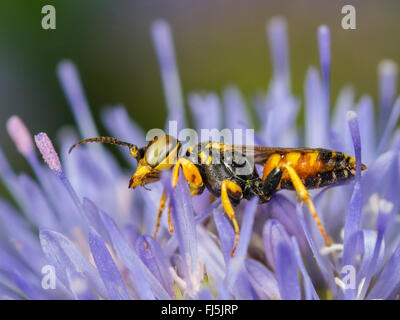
[(75, 213)]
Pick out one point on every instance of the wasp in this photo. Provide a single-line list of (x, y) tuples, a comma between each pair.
[(234, 176)]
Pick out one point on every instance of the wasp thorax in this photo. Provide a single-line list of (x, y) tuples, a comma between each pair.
[(158, 150)]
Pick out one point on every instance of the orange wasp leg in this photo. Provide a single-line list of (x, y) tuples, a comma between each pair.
[(229, 187), (212, 198), (305, 196), (161, 207), (170, 226), (192, 175)]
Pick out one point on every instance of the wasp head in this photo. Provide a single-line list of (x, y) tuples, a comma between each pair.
[(160, 154)]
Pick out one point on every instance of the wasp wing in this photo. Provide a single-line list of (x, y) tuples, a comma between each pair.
[(261, 154)]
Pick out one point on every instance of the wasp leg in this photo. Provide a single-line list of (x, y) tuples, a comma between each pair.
[(229, 187), (170, 226), (212, 198), (271, 183), (161, 207), (191, 174), (305, 196)]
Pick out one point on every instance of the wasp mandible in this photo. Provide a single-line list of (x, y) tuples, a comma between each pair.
[(296, 169)]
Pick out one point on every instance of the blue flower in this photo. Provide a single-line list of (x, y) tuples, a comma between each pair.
[(77, 221)]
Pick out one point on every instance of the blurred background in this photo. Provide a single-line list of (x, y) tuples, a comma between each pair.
[(217, 42)]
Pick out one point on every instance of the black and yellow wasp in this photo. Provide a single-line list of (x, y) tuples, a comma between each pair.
[(234, 175)]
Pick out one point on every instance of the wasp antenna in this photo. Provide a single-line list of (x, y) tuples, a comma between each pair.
[(109, 140)]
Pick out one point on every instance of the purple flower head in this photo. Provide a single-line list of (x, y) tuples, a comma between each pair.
[(78, 232)]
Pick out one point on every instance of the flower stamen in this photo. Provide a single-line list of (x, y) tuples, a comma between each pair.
[(332, 248), (20, 135), (48, 152)]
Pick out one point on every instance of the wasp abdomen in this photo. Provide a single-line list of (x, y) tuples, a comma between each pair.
[(318, 167)]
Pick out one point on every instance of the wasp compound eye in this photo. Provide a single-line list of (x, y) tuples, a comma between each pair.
[(134, 151), (159, 149)]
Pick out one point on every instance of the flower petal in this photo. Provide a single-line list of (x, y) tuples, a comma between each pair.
[(352, 224), (38, 208), (388, 280), (162, 39), (389, 127), (277, 36), (152, 255), (205, 294), (119, 123), (172, 243), (323, 262), (284, 211), (93, 216), (374, 248), (69, 78), (262, 280), (210, 255), (273, 233), (387, 79), (246, 228), (106, 266), (12, 223), (237, 279), (310, 292), (235, 109), (80, 287), (286, 272), (183, 218), (63, 255), (223, 293), (365, 111), (317, 112), (377, 173), (147, 286), (225, 232), (324, 43), (20, 285), (206, 110)]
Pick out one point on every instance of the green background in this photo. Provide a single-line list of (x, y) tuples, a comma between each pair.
[(217, 43)]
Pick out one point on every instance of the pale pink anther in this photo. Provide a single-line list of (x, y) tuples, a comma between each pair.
[(48, 152), (20, 135)]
